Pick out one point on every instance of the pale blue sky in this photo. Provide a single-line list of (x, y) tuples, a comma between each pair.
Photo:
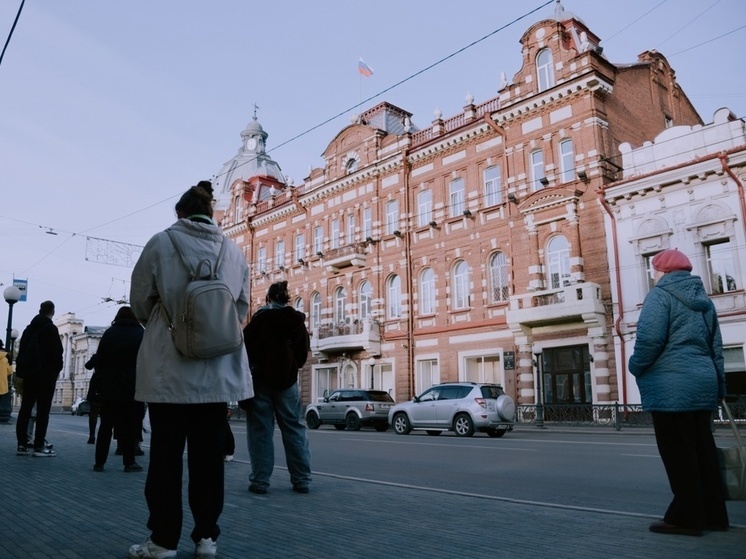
[(109, 110)]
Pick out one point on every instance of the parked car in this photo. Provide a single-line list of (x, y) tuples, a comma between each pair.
[(461, 407), (351, 409), (81, 406)]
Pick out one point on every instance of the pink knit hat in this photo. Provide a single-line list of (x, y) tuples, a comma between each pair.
[(671, 260)]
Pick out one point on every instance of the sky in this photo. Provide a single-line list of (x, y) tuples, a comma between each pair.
[(110, 110)]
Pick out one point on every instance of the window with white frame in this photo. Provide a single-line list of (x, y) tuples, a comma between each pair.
[(340, 301), (366, 298), (280, 254), (544, 69), (461, 285), (367, 223), (350, 232), (335, 233), (499, 278), (457, 197), (558, 262), (567, 161), (298, 304), (647, 260), (261, 257), (393, 299), (300, 247), (326, 380), (537, 169), (351, 166), (482, 368), (315, 310), (428, 374), (392, 217), (239, 210), (492, 186), (424, 208), (427, 291), (318, 240), (722, 266)]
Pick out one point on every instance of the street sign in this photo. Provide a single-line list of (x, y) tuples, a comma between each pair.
[(22, 285)]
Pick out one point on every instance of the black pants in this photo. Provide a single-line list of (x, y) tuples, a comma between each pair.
[(687, 449), (202, 428), (230, 441), (39, 390), (122, 417)]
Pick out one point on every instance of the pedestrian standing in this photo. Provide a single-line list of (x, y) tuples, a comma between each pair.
[(678, 366), (277, 343), (186, 397)]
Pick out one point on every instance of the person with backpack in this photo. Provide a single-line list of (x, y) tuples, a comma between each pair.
[(277, 343), (187, 395), (38, 363)]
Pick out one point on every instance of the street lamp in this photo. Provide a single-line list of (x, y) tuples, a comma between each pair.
[(12, 295), (538, 361)]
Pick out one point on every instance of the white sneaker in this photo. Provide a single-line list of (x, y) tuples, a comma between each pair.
[(228, 458), (207, 548), (150, 550)]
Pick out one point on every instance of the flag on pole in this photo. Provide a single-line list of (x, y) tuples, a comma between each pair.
[(364, 69)]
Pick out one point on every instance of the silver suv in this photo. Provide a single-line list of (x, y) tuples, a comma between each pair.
[(351, 409), (461, 407)]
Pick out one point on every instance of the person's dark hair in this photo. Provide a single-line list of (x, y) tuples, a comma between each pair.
[(278, 292), (196, 200), (124, 312), (46, 308)]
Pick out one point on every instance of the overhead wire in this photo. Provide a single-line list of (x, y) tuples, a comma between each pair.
[(12, 29)]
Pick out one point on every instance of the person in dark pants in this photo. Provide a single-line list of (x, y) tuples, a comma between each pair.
[(39, 362), (186, 397), (94, 401), (229, 444), (678, 366), (115, 363)]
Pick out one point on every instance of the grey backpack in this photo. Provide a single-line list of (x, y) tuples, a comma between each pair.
[(206, 323)]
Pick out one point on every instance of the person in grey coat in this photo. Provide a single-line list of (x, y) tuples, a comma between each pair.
[(678, 366), (187, 398)]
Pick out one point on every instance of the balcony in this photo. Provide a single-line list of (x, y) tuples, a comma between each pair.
[(579, 302), (357, 335), (344, 257)]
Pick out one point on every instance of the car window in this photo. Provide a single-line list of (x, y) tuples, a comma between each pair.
[(348, 396), (491, 391), (430, 395), (451, 393), (380, 397), (334, 397)]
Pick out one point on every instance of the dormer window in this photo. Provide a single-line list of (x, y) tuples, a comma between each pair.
[(544, 69)]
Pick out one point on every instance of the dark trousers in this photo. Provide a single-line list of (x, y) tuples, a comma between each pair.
[(687, 449), (230, 440), (39, 390), (93, 413), (202, 428), (122, 417)]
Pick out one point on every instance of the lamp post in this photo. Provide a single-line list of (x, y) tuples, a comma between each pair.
[(538, 361), (12, 295)]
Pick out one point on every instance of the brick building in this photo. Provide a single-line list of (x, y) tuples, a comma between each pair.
[(471, 249)]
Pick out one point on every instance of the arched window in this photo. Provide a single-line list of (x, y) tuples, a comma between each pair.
[(351, 166), (239, 210), (558, 262), (315, 310), (460, 285), (393, 299), (424, 207), (427, 291), (499, 278), (298, 304), (340, 300), (392, 217), (544, 69), (366, 298), (567, 161)]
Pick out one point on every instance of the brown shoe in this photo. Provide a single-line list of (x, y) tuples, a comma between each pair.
[(661, 527)]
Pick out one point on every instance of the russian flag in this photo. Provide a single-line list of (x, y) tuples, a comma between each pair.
[(364, 69)]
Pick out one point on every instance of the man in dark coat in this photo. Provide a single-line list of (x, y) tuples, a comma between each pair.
[(39, 362), (277, 343)]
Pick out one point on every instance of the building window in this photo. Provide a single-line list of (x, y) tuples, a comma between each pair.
[(318, 240), (340, 301), (392, 217), (544, 69), (567, 161), (428, 374), (351, 166), (722, 268), (457, 197), (300, 247), (367, 223), (492, 185), (393, 303), (366, 298), (239, 210), (424, 208), (499, 278), (350, 228), (460, 285), (649, 271), (558, 257), (427, 291), (280, 254), (335, 233), (315, 310), (537, 169), (667, 122), (484, 368), (262, 260), (298, 304)]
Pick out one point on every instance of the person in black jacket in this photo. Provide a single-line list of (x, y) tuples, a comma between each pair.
[(277, 343), (39, 362), (115, 362)]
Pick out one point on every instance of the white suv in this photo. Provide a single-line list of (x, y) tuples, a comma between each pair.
[(461, 407)]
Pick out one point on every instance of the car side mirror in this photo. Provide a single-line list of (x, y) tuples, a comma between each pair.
[(416, 399)]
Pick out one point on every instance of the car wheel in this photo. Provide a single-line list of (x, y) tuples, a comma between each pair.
[(312, 420), (380, 427), (340, 426), (463, 425), (433, 433), (496, 433), (401, 424), (352, 422)]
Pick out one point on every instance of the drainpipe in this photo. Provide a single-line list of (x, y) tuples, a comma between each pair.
[(618, 321), (410, 282), (723, 157)]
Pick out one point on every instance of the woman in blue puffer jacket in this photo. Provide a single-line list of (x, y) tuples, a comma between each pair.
[(678, 365)]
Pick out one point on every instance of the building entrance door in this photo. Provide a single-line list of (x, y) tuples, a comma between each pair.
[(567, 382)]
